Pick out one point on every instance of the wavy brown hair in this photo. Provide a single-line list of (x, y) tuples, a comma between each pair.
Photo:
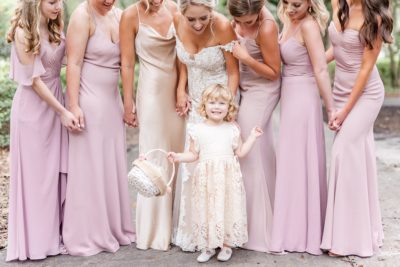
[(27, 17), (239, 8), (378, 21), (214, 92)]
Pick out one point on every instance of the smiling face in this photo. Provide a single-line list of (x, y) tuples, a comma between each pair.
[(50, 9), (103, 6), (296, 9), (216, 109), (198, 17)]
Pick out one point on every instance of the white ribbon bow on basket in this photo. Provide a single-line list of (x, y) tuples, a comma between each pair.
[(147, 178)]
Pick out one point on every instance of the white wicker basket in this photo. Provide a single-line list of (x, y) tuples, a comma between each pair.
[(147, 178)]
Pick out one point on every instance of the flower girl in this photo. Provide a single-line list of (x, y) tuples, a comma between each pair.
[(218, 198)]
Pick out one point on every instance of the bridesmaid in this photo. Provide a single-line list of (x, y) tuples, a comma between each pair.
[(97, 210), (38, 143), (353, 223), (146, 30), (300, 196), (259, 59)]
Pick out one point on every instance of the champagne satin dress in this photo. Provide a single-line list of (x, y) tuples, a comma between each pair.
[(159, 126)]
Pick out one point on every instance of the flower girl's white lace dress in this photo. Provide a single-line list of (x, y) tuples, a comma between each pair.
[(218, 200)]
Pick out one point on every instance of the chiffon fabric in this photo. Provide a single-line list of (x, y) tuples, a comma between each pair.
[(353, 224), (259, 98), (205, 68), (218, 197), (159, 127), (300, 196), (97, 209), (38, 156)]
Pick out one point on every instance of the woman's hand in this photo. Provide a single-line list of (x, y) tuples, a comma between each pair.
[(332, 125), (130, 117), (77, 112), (339, 118), (183, 104), (240, 52), (69, 121)]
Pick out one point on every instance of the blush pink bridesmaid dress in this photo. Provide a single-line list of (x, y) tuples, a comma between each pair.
[(300, 196), (97, 208), (353, 224), (38, 156), (259, 97)]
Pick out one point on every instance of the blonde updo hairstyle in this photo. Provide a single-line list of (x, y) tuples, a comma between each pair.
[(217, 92), (184, 4), (239, 8), (317, 10), (27, 16)]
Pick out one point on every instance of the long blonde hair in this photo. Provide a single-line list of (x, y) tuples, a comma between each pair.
[(318, 11), (214, 92), (27, 16)]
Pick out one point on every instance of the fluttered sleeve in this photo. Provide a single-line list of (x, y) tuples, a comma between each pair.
[(235, 136), (24, 74), (192, 136)]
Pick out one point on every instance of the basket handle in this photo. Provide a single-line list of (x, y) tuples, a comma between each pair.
[(166, 154)]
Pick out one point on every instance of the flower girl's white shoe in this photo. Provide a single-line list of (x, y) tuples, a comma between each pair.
[(225, 254), (206, 255)]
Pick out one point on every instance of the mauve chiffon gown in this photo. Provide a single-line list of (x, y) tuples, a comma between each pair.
[(97, 207), (300, 196), (259, 97), (38, 156), (353, 223)]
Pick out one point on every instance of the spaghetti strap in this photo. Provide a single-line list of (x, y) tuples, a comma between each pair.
[(115, 15), (91, 13), (138, 13)]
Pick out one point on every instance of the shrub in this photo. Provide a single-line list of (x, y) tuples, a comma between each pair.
[(7, 90)]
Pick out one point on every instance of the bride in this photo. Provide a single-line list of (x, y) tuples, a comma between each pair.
[(204, 39)]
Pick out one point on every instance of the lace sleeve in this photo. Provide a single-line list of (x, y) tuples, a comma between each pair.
[(229, 46)]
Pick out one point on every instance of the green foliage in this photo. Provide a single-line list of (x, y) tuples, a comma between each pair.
[(6, 9), (7, 90)]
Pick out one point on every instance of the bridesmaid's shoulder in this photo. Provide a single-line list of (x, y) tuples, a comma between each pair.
[(131, 12), (309, 25), (177, 16), (221, 23), (268, 25), (80, 20), (81, 12)]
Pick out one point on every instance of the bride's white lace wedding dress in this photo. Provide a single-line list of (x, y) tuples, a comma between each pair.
[(204, 68)]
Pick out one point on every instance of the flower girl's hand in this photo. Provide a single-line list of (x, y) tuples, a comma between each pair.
[(172, 157), (256, 132)]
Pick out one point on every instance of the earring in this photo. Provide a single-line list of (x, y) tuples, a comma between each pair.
[(310, 9)]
